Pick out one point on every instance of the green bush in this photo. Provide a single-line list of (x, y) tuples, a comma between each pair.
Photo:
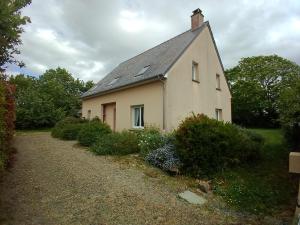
[(122, 143), (71, 131), (149, 140), (206, 146), (67, 128), (91, 131)]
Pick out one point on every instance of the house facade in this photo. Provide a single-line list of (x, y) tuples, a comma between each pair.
[(164, 84)]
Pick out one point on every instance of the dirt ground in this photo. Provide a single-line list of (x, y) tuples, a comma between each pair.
[(57, 182)]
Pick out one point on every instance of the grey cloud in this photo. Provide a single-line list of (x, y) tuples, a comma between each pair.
[(86, 37)]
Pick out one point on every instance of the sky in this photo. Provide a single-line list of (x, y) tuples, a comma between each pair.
[(91, 37)]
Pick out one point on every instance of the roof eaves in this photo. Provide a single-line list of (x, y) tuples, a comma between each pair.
[(134, 84)]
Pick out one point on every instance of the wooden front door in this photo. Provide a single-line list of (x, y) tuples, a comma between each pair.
[(109, 115)]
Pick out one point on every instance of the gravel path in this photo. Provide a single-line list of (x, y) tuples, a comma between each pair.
[(56, 182)]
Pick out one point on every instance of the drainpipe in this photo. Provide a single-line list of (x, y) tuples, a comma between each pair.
[(162, 80)]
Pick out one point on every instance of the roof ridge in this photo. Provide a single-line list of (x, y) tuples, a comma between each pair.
[(204, 23)]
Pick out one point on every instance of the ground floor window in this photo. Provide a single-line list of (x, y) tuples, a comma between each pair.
[(138, 116), (219, 114), (89, 114)]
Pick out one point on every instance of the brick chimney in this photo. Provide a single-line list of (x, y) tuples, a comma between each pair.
[(196, 19)]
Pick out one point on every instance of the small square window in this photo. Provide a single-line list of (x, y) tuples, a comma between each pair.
[(218, 82), (138, 116), (219, 115), (195, 72)]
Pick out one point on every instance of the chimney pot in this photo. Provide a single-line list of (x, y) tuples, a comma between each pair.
[(196, 19)]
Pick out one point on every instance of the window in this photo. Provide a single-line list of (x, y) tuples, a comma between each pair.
[(113, 81), (143, 70), (195, 72), (138, 116), (89, 114), (218, 82), (219, 114)]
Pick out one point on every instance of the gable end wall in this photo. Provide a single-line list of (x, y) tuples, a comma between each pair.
[(184, 96)]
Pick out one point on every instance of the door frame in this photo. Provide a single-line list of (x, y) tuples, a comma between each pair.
[(103, 106)]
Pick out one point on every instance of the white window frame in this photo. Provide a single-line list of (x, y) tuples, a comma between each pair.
[(141, 115), (195, 72), (218, 82), (219, 115)]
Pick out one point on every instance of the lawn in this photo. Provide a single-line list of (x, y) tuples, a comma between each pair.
[(265, 187)]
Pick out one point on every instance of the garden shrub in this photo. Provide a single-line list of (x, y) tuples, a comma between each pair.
[(164, 158), (67, 128), (117, 143), (149, 139), (90, 132), (70, 131), (206, 146)]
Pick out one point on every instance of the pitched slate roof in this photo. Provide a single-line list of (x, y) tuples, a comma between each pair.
[(159, 59)]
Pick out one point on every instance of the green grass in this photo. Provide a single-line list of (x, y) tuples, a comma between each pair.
[(265, 187)]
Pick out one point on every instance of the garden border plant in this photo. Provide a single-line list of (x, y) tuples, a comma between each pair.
[(91, 131), (206, 146), (116, 143), (68, 128)]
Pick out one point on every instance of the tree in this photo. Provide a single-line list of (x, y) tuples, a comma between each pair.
[(289, 108), (65, 91), (36, 110), (11, 22), (43, 101), (256, 83)]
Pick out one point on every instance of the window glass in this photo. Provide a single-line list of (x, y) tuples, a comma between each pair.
[(89, 114), (143, 70), (195, 72), (218, 82), (142, 116), (219, 114), (138, 116), (113, 81)]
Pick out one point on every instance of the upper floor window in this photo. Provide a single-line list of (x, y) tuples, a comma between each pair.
[(195, 72), (138, 116), (218, 82), (219, 115)]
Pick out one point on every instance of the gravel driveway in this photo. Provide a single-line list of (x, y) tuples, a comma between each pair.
[(56, 182)]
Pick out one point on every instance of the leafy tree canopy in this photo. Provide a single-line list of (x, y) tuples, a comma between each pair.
[(289, 108), (11, 22), (256, 83), (42, 101)]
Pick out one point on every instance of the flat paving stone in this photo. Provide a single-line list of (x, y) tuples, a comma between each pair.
[(192, 198)]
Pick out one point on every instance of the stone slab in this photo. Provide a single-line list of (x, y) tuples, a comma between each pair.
[(192, 198)]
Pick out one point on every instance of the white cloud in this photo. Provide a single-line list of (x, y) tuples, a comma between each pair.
[(131, 21)]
